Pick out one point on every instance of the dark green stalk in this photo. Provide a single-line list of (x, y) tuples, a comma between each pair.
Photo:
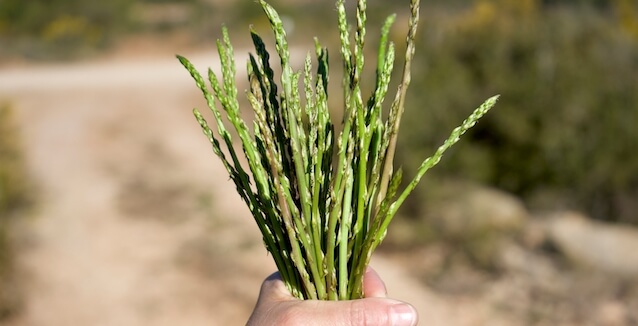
[(264, 135)]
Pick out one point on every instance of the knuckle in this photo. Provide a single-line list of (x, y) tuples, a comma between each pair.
[(358, 315)]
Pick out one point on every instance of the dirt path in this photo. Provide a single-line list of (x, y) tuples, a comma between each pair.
[(124, 234)]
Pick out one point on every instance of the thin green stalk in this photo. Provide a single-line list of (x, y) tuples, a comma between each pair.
[(363, 131), (314, 169), (396, 111), (344, 236), (433, 160)]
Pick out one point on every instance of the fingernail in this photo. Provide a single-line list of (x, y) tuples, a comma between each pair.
[(403, 315)]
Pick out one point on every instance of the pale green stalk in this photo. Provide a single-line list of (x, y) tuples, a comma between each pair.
[(396, 111)]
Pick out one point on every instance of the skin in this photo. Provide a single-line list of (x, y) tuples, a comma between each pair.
[(276, 306)]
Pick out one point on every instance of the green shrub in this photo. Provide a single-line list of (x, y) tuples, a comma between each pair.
[(45, 29), (13, 183), (14, 196), (565, 134)]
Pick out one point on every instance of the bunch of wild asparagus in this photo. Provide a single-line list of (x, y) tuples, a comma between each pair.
[(322, 199)]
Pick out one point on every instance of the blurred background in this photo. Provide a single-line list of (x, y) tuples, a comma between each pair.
[(113, 210)]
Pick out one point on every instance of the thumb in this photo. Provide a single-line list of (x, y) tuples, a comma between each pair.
[(362, 312), (276, 306)]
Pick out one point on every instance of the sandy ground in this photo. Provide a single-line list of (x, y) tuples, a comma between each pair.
[(138, 223)]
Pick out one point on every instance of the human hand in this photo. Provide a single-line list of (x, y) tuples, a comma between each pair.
[(277, 307)]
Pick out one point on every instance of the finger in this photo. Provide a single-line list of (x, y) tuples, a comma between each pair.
[(373, 285), (273, 294), (273, 289)]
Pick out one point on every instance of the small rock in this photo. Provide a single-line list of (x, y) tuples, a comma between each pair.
[(534, 234), (603, 246), (612, 313), (474, 209), (477, 219), (515, 258), (461, 212)]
